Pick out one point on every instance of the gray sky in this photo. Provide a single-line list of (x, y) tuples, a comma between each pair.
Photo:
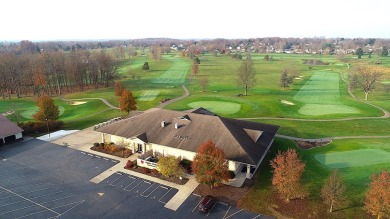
[(128, 19)]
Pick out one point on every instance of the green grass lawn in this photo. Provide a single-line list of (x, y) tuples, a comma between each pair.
[(353, 158), (218, 107)]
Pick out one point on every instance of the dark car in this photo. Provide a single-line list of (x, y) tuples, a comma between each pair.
[(207, 203)]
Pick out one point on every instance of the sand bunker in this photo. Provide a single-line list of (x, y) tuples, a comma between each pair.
[(287, 102), (75, 103)]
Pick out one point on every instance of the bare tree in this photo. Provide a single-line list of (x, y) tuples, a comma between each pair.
[(246, 74)]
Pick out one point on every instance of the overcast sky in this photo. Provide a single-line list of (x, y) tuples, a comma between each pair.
[(129, 19)]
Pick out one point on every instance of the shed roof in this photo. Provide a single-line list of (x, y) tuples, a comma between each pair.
[(8, 128)]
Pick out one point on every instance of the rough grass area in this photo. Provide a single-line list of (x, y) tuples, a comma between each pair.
[(149, 95), (218, 107), (353, 158), (321, 95), (176, 74)]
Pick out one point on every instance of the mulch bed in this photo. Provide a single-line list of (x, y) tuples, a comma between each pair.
[(311, 144), (123, 152), (158, 175), (227, 194)]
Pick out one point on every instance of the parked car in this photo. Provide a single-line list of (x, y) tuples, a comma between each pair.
[(207, 203)]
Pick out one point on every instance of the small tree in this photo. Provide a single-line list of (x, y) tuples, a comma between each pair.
[(333, 190), (266, 57), (195, 68), (359, 52), (127, 102), (145, 67), (119, 88), (384, 51), (285, 79), (196, 60), (209, 165), (378, 195), (246, 74), (204, 82), (169, 166), (48, 111), (288, 170)]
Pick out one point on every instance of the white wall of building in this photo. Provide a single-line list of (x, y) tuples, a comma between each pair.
[(18, 135)]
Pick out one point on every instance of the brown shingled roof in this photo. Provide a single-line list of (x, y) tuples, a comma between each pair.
[(195, 128), (8, 128)]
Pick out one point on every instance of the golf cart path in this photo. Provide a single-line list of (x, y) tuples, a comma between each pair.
[(186, 94)]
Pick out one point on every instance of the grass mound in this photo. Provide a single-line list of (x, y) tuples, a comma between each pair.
[(218, 107), (353, 158)]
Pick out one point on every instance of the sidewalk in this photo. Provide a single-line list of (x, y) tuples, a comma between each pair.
[(83, 141)]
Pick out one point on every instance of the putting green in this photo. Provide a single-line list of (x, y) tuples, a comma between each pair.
[(321, 109), (353, 158), (28, 112), (149, 95), (321, 95), (218, 107)]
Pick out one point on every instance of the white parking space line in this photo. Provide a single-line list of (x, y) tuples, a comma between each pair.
[(23, 193), (164, 195), (224, 217), (233, 214), (197, 195), (70, 208), (25, 207), (133, 187), (58, 199), (11, 203), (31, 185), (28, 215), (212, 208), (135, 179), (151, 184), (153, 191), (19, 182), (257, 216), (196, 206), (122, 177), (47, 195)]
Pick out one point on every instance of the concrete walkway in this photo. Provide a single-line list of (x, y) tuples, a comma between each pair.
[(83, 141)]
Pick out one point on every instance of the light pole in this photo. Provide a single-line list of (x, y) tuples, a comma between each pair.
[(47, 124)]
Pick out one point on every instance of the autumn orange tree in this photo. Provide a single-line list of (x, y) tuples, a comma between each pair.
[(48, 111), (333, 190), (288, 170), (127, 102), (119, 88), (209, 165), (378, 195)]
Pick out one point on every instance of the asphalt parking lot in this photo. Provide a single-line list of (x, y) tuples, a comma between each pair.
[(45, 180)]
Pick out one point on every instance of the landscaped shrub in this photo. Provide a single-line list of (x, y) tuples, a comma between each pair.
[(154, 172), (231, 174), (112, 149), (145, 170), (101, 145), (96, 144), (129, 164), (40, 127), (187, 165)]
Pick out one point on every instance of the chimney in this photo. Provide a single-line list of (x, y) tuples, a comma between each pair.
[(176, 125), (163, 124)]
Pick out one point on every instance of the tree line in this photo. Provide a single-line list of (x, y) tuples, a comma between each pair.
[(52, 73)]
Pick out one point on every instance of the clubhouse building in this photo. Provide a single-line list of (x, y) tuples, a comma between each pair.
[(160, 132), (9, 131)]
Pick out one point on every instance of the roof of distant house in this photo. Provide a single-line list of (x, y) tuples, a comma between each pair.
[(8, 128), (242, 141)]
